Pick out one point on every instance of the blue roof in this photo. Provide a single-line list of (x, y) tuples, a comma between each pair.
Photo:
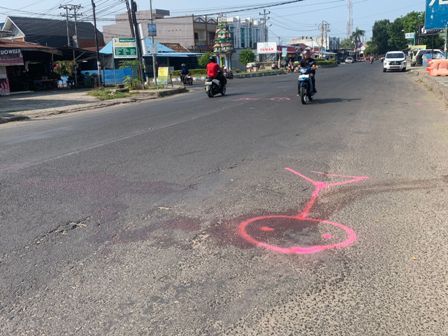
[(161, 48)]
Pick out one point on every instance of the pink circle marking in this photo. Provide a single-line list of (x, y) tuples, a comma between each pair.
[(303, 216), (350, 236)]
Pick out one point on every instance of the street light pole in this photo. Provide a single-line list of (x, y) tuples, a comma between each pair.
[(153, 49)]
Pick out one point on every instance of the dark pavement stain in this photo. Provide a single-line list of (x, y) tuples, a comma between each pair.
[(161, 230), (225, 232)]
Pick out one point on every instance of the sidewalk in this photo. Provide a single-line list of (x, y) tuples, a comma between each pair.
[(438, 85), (42, 104)]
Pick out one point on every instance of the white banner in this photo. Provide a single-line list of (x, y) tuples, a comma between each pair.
[(267, 48)]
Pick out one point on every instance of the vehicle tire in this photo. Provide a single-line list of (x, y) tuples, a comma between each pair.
[(210, 94), (303, 95), (223, 91), (384, 70), (404, 70)]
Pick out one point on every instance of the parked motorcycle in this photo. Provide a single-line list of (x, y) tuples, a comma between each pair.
[(213, 87), (305, 85)]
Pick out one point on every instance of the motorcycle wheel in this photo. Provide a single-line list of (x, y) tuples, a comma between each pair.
[(223, 91), (304, 96), (210, 93)]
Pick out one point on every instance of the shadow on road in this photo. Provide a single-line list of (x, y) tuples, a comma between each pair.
[(335, 100)]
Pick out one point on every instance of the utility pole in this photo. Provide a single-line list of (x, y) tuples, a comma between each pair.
[(206, 32), (265, 20), (98, 63), (350, 18), (75, 8), (128, 9), (154, 47), (324, 28), (75, 15), (138, 44), (67, 9)]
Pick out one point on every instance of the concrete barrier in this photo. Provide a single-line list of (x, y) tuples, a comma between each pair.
[(438, 85)]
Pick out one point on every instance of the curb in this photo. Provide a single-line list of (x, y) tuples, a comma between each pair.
[(439, 88), (33, 114), (259, 74), (10, 118)]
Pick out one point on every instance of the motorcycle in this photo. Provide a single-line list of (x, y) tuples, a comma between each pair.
[(228, 74), (186, 79), (213, 87), (305, 85)]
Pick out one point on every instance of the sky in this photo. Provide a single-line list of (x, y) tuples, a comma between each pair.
[(288, 21)]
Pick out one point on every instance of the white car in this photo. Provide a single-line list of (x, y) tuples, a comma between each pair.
[(394, 60), (349, 60)]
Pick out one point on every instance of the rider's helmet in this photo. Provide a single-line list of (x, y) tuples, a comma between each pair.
[(212, 59), (183, 64)]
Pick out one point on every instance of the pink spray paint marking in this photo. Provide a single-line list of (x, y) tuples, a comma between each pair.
[(274, 99), (304, 216)]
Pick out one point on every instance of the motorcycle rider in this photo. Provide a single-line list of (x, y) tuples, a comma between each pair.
[(309, 62), (184, 72), (214, 71)]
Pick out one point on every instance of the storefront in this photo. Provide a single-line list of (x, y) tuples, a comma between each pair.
[(8, 58), (26, 66)]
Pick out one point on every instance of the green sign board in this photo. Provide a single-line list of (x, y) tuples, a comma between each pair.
[(126, 51), (124, 48), (126, 39)]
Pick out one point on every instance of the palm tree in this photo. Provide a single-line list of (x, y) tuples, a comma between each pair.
[(357, 35)]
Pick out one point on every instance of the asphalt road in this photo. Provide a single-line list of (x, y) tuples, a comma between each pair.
[(145, 219)]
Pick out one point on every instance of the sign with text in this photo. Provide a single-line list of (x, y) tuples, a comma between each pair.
[(9, 57), (164, 75), (409, 36), (124, 48), (152, 29), (284, 52), (266, 48), (436, 14)]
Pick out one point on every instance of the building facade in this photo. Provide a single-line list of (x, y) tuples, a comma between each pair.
[(195, 33), (246, 33)]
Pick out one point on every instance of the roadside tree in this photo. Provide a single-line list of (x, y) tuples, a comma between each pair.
[(247, 56)]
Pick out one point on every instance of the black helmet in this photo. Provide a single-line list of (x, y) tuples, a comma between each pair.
[(212, 59)]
